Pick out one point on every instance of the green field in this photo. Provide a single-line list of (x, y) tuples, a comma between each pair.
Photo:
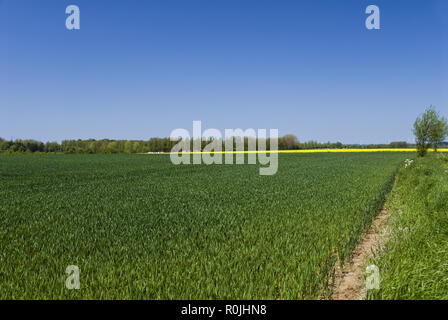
[(139, 227)]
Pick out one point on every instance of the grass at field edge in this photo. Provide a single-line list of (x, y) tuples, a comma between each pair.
[(413, 262)]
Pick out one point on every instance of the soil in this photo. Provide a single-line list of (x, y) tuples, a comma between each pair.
[(349, 282)]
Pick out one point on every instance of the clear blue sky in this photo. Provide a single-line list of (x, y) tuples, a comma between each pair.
[(138, 69)]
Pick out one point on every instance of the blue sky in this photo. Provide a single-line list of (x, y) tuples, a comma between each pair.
[(138, 69)]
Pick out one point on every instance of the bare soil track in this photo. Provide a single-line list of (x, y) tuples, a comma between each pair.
[(349, 282)]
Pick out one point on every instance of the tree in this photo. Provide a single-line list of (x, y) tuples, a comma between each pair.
[(438, 130), (128, 146), (338, 145), (422, 129), (290, 141), (51, 147), (112, 147), (137, 147), (398, 144), (430, 129)]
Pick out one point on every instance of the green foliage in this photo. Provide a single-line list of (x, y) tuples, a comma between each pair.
[(107, 146), (139, 227), (422, 129), (439, 130), (398, 144), (290, 142), (413, 264), (430, 129)]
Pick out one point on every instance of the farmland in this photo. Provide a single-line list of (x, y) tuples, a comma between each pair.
[(139, 227)]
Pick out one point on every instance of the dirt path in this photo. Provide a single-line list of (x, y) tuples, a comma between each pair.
[(349, 282)]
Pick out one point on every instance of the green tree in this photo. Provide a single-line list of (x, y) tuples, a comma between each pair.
[(290, 141), (438, 130), (128, 146), (398, 144), (51, 147), (422, 127), (137, 147), (113, 147)]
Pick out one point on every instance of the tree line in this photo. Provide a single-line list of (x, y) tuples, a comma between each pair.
[(430, 130), (108, 146)]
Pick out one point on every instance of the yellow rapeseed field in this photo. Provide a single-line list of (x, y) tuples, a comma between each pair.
[(307, 151)]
